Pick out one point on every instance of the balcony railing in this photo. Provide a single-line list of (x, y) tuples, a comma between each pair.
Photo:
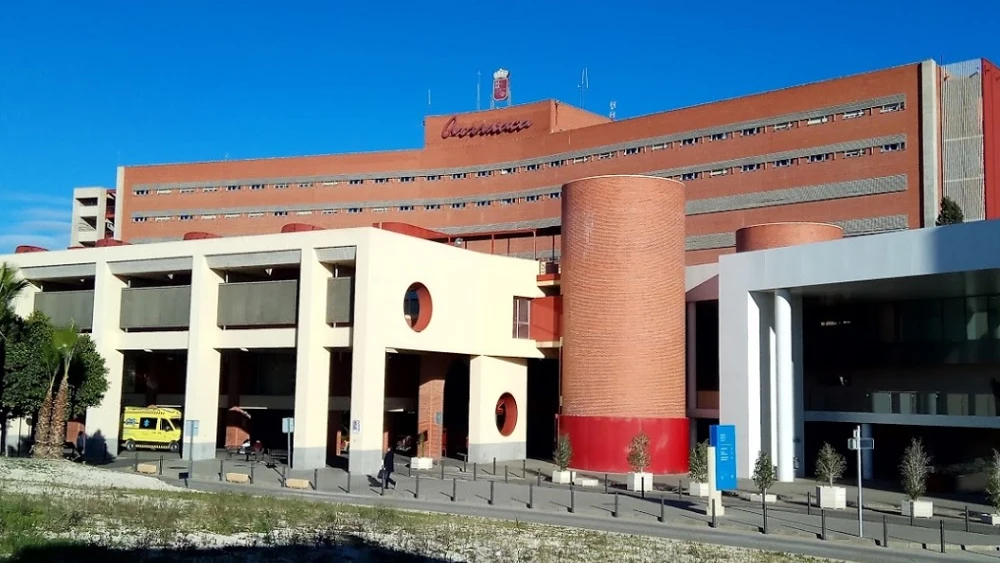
[(68, 307), (340, 301), (156, 308), (258, 304)]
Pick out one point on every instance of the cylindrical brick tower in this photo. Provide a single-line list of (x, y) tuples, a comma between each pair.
[(623, 366), (776, 235)]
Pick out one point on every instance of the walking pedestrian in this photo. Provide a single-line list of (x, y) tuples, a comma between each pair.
[(388, 464)]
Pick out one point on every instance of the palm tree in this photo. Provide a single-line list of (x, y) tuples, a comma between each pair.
[(64, 342), (43, 426), (12, 284)]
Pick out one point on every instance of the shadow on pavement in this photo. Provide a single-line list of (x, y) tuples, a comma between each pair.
[(345, 548)]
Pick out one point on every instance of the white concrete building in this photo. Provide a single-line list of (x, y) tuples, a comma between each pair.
[(94, 214), (309, 292)]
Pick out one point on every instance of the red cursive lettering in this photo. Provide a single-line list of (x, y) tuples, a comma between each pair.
[(451, 129)]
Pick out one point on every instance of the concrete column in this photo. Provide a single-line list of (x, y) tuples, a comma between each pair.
[(692, 359), (368, 372), (785, 385), (104, 420), (867, 456), (201, 388), (798, 376), (489, 379), (312, 366), (740, 375), (430, 402)]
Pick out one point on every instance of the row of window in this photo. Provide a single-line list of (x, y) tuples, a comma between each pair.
[(689, 177), (354, 210), (692, 141)]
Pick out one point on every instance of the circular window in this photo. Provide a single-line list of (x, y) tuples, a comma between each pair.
[(506, 414), (417, 307)]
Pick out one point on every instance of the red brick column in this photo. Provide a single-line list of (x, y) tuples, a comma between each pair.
[(430, 402)]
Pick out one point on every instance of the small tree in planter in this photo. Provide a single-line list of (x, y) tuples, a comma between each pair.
[(993, 489), (914, 469), (698, 470), (421, 461), (763, 478), (563, 456), (830, 466), (639, 461)]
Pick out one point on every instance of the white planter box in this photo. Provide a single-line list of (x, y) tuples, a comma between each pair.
[(698, 489), (832, 497), (636, 481), (585, 482), (563, 477), (768, 498), (421, 463), (918, 508), (991, 519)]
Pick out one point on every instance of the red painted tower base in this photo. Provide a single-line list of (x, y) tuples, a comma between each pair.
[(600, 444)]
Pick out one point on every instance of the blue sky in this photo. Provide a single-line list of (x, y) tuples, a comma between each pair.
[(88, 86)]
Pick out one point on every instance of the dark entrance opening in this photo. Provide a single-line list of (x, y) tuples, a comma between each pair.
[(456, 408), (543, 404)]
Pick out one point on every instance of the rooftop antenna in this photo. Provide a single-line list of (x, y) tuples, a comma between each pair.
[(479, 79), (583, 86), (611, 113)]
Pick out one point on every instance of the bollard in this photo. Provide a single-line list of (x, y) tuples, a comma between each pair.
[(494, 467), (315, 479), (911, 516), (680, 490), (642, 484), (191, 470), (663, 512), (416, 489), (491, 492), (251, 472), (348, 481), (763, 504), (160, 470), (222, 468), (409, 469), (539, 479), (475, 471), (715, 515), (605, 483), (809, 503), (531, 495), (942, 536), (442, 470), (135, 464), (966, 519), (572, 499), (524, 469), (615, 513), (885, 531), (454, 490), (465, 465), (284, 477), (822, 523), (505, 473)]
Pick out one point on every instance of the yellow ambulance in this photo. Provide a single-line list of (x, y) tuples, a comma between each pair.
[(152, 427)]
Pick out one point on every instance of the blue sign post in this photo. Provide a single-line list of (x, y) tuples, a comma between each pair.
[(723, 439)]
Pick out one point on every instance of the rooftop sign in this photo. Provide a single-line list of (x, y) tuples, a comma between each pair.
[(452, 129)]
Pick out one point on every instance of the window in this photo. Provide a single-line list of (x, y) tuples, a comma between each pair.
[(751, 167), (782, 163), (531, 198), (784, 126), (356, 182), (406, 179), (853, 114), (162, 219), (185, 217), (531, 167), (280, 186), (381, 180), (303, 212), (719, 172), (433, 178), (556, 163), (522, 317), (163, 192), (853, 154), (208, 217), (605, 155), (484, 173), (379, 209), (555, 195), (458, 205), (329, 211), (508, 170), (817, 120), (819, 157), (507, 201), (580, 159), (209, 189), (187, 190), (255, 215), (720, 136), (257, 186), (165, 425), (233, 188), (888, 108), (660, 146), (432, 207), (140, 192), (306, 185), (689, 176), (458, 176), (482, 204), (892, 147), (688, 142), (354, 210), (332, 183), (280, 213), (138, 219), (633, 150), (147, 423), (750, 131), (406, 208)]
